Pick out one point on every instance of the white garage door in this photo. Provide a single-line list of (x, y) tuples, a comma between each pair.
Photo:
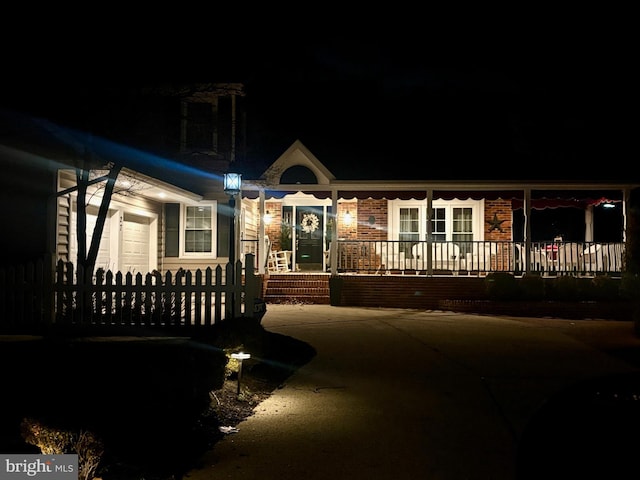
[(104, 259), (135, 244)]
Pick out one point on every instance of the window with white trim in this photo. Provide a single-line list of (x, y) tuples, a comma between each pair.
[(462, 224), (198, 232), (198, 229), (451, 220), (438, 225)]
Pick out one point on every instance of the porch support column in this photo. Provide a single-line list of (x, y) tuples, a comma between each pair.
[(262, 247), (333, 248), (588, 223), (527, 230), (626, 198), (429, 232)]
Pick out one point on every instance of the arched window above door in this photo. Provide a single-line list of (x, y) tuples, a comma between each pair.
[(298, 174)]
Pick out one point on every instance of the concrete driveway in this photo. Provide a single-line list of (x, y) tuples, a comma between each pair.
[(398, 394)]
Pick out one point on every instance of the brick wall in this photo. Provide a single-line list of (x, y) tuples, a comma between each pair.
[(372, 219), (497, 220), (348, 232)]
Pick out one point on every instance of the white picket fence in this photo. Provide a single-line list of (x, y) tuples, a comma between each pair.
[(37, 295)]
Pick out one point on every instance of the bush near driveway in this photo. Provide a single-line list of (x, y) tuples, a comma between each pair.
[(155, 404)]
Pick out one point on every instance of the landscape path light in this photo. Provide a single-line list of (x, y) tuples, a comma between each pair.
[(240, 356)]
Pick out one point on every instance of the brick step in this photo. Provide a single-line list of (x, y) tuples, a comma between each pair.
[(315, 300), (298, 284), (294, 290), (299, 276), (297, 288)]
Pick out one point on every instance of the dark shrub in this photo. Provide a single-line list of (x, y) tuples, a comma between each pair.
[(532, 287), (605, 288), (563, 288), (630, 286), (630, 290), (585, 288), (502, 286)]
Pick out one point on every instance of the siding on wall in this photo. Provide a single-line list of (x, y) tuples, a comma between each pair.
[(251, 228), (63, 247), (174, 264)]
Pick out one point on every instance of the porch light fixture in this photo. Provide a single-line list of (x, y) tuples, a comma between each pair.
[(267, 218), (232, 183), (347, 218), (608, 205), (240, 356)]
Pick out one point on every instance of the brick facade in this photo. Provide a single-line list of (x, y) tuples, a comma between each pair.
[(372, 219), (499, 210)]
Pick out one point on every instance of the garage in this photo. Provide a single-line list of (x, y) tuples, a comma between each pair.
[(134, 256), (104, 259)]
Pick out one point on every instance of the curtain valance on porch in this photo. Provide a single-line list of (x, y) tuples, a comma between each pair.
[(544, 203), (393, 194), (542, 199), (539, 199), (437, 194), (278, 194)]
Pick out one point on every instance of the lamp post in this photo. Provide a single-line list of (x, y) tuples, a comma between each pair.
[(232, 186)]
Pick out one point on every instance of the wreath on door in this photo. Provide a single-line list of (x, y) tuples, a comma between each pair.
[(310, 222)]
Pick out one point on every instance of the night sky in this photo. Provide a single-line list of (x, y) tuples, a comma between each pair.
[(551, 99)]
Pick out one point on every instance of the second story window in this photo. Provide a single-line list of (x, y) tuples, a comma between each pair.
[(199, 127)]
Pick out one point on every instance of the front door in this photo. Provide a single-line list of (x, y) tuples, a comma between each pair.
[(309, 233)]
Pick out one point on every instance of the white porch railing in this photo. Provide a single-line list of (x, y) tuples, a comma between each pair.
[(479, 257)]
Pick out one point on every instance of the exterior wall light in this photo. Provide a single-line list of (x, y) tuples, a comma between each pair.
[(267, 218), (347, 218)]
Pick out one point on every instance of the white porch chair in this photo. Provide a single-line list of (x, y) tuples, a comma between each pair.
[(605, 257), (592, 256), (444, 256), (616, 257), (390, 257), (279, 260), (479, 259), (540, 260), (569, 256)]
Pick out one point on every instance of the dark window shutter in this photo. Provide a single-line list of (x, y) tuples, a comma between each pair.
[(172, 230)]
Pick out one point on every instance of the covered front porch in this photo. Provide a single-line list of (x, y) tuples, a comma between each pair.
[(298, 217), (471, 235)]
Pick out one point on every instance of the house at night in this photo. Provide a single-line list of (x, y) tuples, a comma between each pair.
[(295, 216)]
